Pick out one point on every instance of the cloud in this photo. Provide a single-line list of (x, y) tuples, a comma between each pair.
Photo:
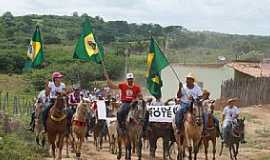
[(229, 16)]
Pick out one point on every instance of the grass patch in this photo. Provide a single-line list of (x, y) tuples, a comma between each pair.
[(267, 157), (19, 144), (265, 132)]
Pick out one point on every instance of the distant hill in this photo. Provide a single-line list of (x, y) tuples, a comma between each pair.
[(60, 34)]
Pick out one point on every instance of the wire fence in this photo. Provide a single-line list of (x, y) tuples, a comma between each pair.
[(16, 104)]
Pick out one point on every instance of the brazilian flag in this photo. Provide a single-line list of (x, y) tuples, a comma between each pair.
[(87, 48), (35, 49), (156, 61)]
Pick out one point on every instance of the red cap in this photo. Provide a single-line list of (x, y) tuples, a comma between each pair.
[(57, 75)]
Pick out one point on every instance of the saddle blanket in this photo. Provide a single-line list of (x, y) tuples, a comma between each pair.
[(162, 113)]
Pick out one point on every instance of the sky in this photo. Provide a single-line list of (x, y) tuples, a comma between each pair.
[(226, 16)]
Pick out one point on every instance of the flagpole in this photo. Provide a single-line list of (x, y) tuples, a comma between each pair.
[(174, 72)]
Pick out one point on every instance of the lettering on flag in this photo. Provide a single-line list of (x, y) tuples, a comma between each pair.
[(162, 113)]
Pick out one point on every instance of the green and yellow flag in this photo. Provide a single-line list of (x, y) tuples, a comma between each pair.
[(35, 49), (156, 61), (87, 48)]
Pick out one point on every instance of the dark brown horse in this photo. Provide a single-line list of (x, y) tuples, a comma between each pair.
[(210, 134), (56, 125), (160, 130)]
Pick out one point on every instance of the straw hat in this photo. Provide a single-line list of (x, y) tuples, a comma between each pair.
[(232, 100), (190, 75)]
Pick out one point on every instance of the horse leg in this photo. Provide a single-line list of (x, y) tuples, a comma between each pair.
[(80, 141), (66, 138), (153, 147), (214, 148), (60, 146), (230, 148), (119, 154), (190, 152), (53, 150), (133, 146), (43, 139), (235, 151), (237, 148), (165, 147), (101, 141), (128, 151), (206, 145), (221, 148), (37, 138), (139, 148)]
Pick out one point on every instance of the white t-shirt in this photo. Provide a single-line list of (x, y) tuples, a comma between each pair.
[(55, 89), (42, 97), (231, 113), (195, 92)]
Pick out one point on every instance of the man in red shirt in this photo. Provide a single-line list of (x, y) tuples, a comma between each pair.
[(129, 93)]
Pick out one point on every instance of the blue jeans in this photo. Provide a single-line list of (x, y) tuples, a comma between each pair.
[(205, 117), (123, 112), (179, 115)]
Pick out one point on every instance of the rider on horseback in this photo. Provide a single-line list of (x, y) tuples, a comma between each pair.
[(74, 99), (129, 93), (187, 93), (42, 99), (208, 108), (56, 87), (230, 114)]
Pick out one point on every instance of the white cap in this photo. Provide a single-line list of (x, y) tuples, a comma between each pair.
[(130, 76)]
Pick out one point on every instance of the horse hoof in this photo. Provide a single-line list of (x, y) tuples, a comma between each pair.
[(78, 154)]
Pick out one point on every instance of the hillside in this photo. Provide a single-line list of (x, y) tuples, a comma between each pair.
[(60, 34)]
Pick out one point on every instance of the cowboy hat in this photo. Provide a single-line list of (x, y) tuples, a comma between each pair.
[(232, 100), (190, 75)]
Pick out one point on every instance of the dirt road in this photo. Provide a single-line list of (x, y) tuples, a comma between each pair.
[(257, 135)]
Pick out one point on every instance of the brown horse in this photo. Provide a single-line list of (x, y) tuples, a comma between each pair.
[(38, 124), (133, 131), (210, 134), (56, 125), (79, 126), (193, 133)]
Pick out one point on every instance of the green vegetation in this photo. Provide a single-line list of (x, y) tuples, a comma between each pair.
[(60, 33), (18, 143)]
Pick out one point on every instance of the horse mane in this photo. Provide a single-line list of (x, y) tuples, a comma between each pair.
[(79, 114)]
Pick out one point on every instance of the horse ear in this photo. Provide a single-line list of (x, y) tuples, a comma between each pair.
[(244, 118)]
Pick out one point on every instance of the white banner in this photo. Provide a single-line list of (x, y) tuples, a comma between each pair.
[(101, 110), (162, 113)]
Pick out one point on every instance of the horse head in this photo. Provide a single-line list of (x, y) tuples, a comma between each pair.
[(197, 113), (61, 102), (238, 127), (82, 110), (137, 111)]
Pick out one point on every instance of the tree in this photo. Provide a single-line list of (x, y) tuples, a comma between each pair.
[(75, 14), (8, 19)]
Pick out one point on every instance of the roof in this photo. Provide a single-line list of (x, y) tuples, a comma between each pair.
[(252, 69)]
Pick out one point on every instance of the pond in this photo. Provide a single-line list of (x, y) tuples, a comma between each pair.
[(210, 76)]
